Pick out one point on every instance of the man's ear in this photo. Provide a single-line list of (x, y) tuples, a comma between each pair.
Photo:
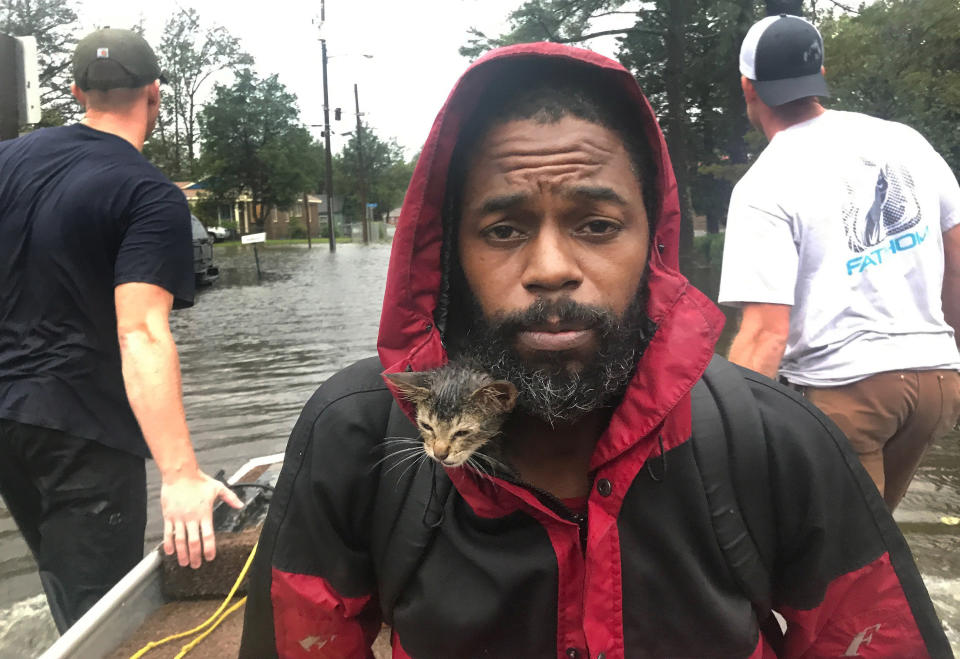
[(78, 94), (749, 91), (153, 93), (497, 397), (413, 386)]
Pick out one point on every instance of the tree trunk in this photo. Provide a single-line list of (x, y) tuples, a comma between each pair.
[(176, 133), (191, 135), (736, 107), (677, 120)]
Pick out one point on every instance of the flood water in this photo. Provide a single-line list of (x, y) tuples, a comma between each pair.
[(253, 352)]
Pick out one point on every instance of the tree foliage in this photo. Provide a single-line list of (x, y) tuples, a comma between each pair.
[(190, 56), (53, 23), (900, 60), (385, 172), (254, 144)]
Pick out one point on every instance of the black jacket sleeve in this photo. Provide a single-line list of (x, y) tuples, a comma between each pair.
[(312, 583)]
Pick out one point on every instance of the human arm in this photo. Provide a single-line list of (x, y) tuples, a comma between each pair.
[(762, 337), (151, 376), (843, 576), (951, 280), (759, 275), (313, 590)]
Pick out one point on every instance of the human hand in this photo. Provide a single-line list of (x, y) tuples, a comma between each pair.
[(187, 505)]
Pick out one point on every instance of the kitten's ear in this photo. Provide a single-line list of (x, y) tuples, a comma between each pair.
[(497, 397), (413, 386)]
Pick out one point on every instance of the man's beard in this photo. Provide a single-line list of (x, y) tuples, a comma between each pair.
[(549, 388)]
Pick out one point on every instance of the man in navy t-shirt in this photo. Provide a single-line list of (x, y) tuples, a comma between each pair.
[(95, 250)]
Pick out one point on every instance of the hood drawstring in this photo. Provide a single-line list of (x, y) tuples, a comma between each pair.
[(663, 463), (433, 493)]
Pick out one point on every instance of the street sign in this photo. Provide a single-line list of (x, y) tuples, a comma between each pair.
[(253, 238), (372, 205)]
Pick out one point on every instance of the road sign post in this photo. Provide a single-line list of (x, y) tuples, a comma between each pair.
[(253, 239)]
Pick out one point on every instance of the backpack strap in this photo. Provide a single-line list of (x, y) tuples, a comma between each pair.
[(731, 452)]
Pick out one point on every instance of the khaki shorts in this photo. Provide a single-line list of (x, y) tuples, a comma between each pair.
[(891, 419)]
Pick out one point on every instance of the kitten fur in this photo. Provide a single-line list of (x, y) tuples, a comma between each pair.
[(460, 409)]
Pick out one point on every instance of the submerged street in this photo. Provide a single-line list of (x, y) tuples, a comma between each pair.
[(252, 354)]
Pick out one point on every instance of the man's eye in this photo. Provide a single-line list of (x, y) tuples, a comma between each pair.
[(502, 232), (599, 227)]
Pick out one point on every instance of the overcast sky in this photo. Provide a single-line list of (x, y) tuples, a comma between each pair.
[(413, 43)]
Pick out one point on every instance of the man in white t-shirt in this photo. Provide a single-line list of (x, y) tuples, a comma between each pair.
[(843, 252)]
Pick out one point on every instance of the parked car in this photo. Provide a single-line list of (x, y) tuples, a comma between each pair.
[(203, 267), (218, 234)]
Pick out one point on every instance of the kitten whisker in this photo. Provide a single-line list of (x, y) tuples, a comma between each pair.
[(393, 454), (414, 457), (478, 467), (492, 462), (418, 463), (401, 440)]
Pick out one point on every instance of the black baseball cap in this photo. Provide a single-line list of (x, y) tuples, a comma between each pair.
[(783, 56), (110, 58)]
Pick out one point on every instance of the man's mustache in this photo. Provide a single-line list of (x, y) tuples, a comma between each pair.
[(564, 313)]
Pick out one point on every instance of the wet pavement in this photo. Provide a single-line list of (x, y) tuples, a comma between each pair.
[(253, 352)]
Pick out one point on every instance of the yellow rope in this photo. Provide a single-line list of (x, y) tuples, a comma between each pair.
[(195, 642), (212, 619)]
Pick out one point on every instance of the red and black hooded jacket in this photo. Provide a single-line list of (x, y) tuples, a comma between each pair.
[(493, 568)]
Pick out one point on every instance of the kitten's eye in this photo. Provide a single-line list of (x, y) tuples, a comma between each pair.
[(426, 426), (460, 433)]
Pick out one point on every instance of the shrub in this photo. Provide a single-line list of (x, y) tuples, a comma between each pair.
[(297, 229)]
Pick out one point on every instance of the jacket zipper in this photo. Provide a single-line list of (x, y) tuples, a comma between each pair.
[(556, 505)]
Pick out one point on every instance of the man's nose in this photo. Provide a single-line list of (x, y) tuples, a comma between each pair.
[(552, 263)]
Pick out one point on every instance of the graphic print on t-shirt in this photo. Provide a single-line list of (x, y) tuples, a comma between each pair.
[(892, 208)]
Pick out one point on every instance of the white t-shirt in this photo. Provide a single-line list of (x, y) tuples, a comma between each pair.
[(842, 217)]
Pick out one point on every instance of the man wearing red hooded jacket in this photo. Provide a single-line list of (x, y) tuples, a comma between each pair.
[(539, 239)]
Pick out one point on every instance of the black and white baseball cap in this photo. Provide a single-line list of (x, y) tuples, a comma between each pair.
[(783, 56)]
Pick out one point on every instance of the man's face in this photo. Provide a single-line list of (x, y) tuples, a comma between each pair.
[(553, 242)]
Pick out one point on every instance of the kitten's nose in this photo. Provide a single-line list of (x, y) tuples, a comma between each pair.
[(441, 452)]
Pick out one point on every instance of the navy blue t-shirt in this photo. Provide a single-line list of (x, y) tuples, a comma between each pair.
[(81, 211)]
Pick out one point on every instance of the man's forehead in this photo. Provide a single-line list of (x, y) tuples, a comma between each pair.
[(526, 146), (531, 133)]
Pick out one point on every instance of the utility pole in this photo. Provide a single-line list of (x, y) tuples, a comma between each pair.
[(328, 185), (361, 173)]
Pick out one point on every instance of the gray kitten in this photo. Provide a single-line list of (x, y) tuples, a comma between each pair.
[(460, 409)]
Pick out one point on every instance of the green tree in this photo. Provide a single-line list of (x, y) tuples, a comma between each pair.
[(254, 143), (190, 56), (900, 60), (53, 23), (385, 170)]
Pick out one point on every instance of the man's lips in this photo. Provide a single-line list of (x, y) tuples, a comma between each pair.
[(552, 339)]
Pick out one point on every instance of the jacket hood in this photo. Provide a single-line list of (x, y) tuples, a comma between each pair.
[(688, 324)]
